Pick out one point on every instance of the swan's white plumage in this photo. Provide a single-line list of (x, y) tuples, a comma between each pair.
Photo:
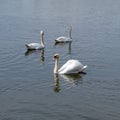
[(70, 67), (65, 39), (36, 46)]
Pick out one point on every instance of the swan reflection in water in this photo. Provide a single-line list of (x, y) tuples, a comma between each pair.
[(63, 44), (29, 52), (71, 79), (56, 83)]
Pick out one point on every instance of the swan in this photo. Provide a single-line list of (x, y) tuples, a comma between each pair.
[(36, 46), (70, 67), (63, 39)]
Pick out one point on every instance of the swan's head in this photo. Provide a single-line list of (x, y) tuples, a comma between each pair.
[(70, 28), (56, 56), (42, 32)]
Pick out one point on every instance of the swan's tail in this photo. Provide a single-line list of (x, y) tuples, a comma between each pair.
[(27, 46), (84, 67)]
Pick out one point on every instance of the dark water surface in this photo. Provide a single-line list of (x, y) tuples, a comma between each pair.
[(28, 88)]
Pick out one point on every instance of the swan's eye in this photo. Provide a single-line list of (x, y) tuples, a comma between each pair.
[(55, 56)]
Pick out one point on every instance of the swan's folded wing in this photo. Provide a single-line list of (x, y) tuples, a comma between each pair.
[(73, 69), (64, 66), (61, 39), (33, 46), (71, 66)]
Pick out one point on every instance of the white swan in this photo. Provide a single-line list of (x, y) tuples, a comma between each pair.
[(65, 39), (36, 46), (70, 67)]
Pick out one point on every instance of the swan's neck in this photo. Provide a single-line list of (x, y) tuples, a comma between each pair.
[(69, 34), (56, 66), (42, 41)]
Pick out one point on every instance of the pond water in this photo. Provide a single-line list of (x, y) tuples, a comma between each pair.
[(28, 88)]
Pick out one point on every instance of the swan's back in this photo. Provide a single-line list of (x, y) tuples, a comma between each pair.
[(63, 39), (33, 46), (71, 67)]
